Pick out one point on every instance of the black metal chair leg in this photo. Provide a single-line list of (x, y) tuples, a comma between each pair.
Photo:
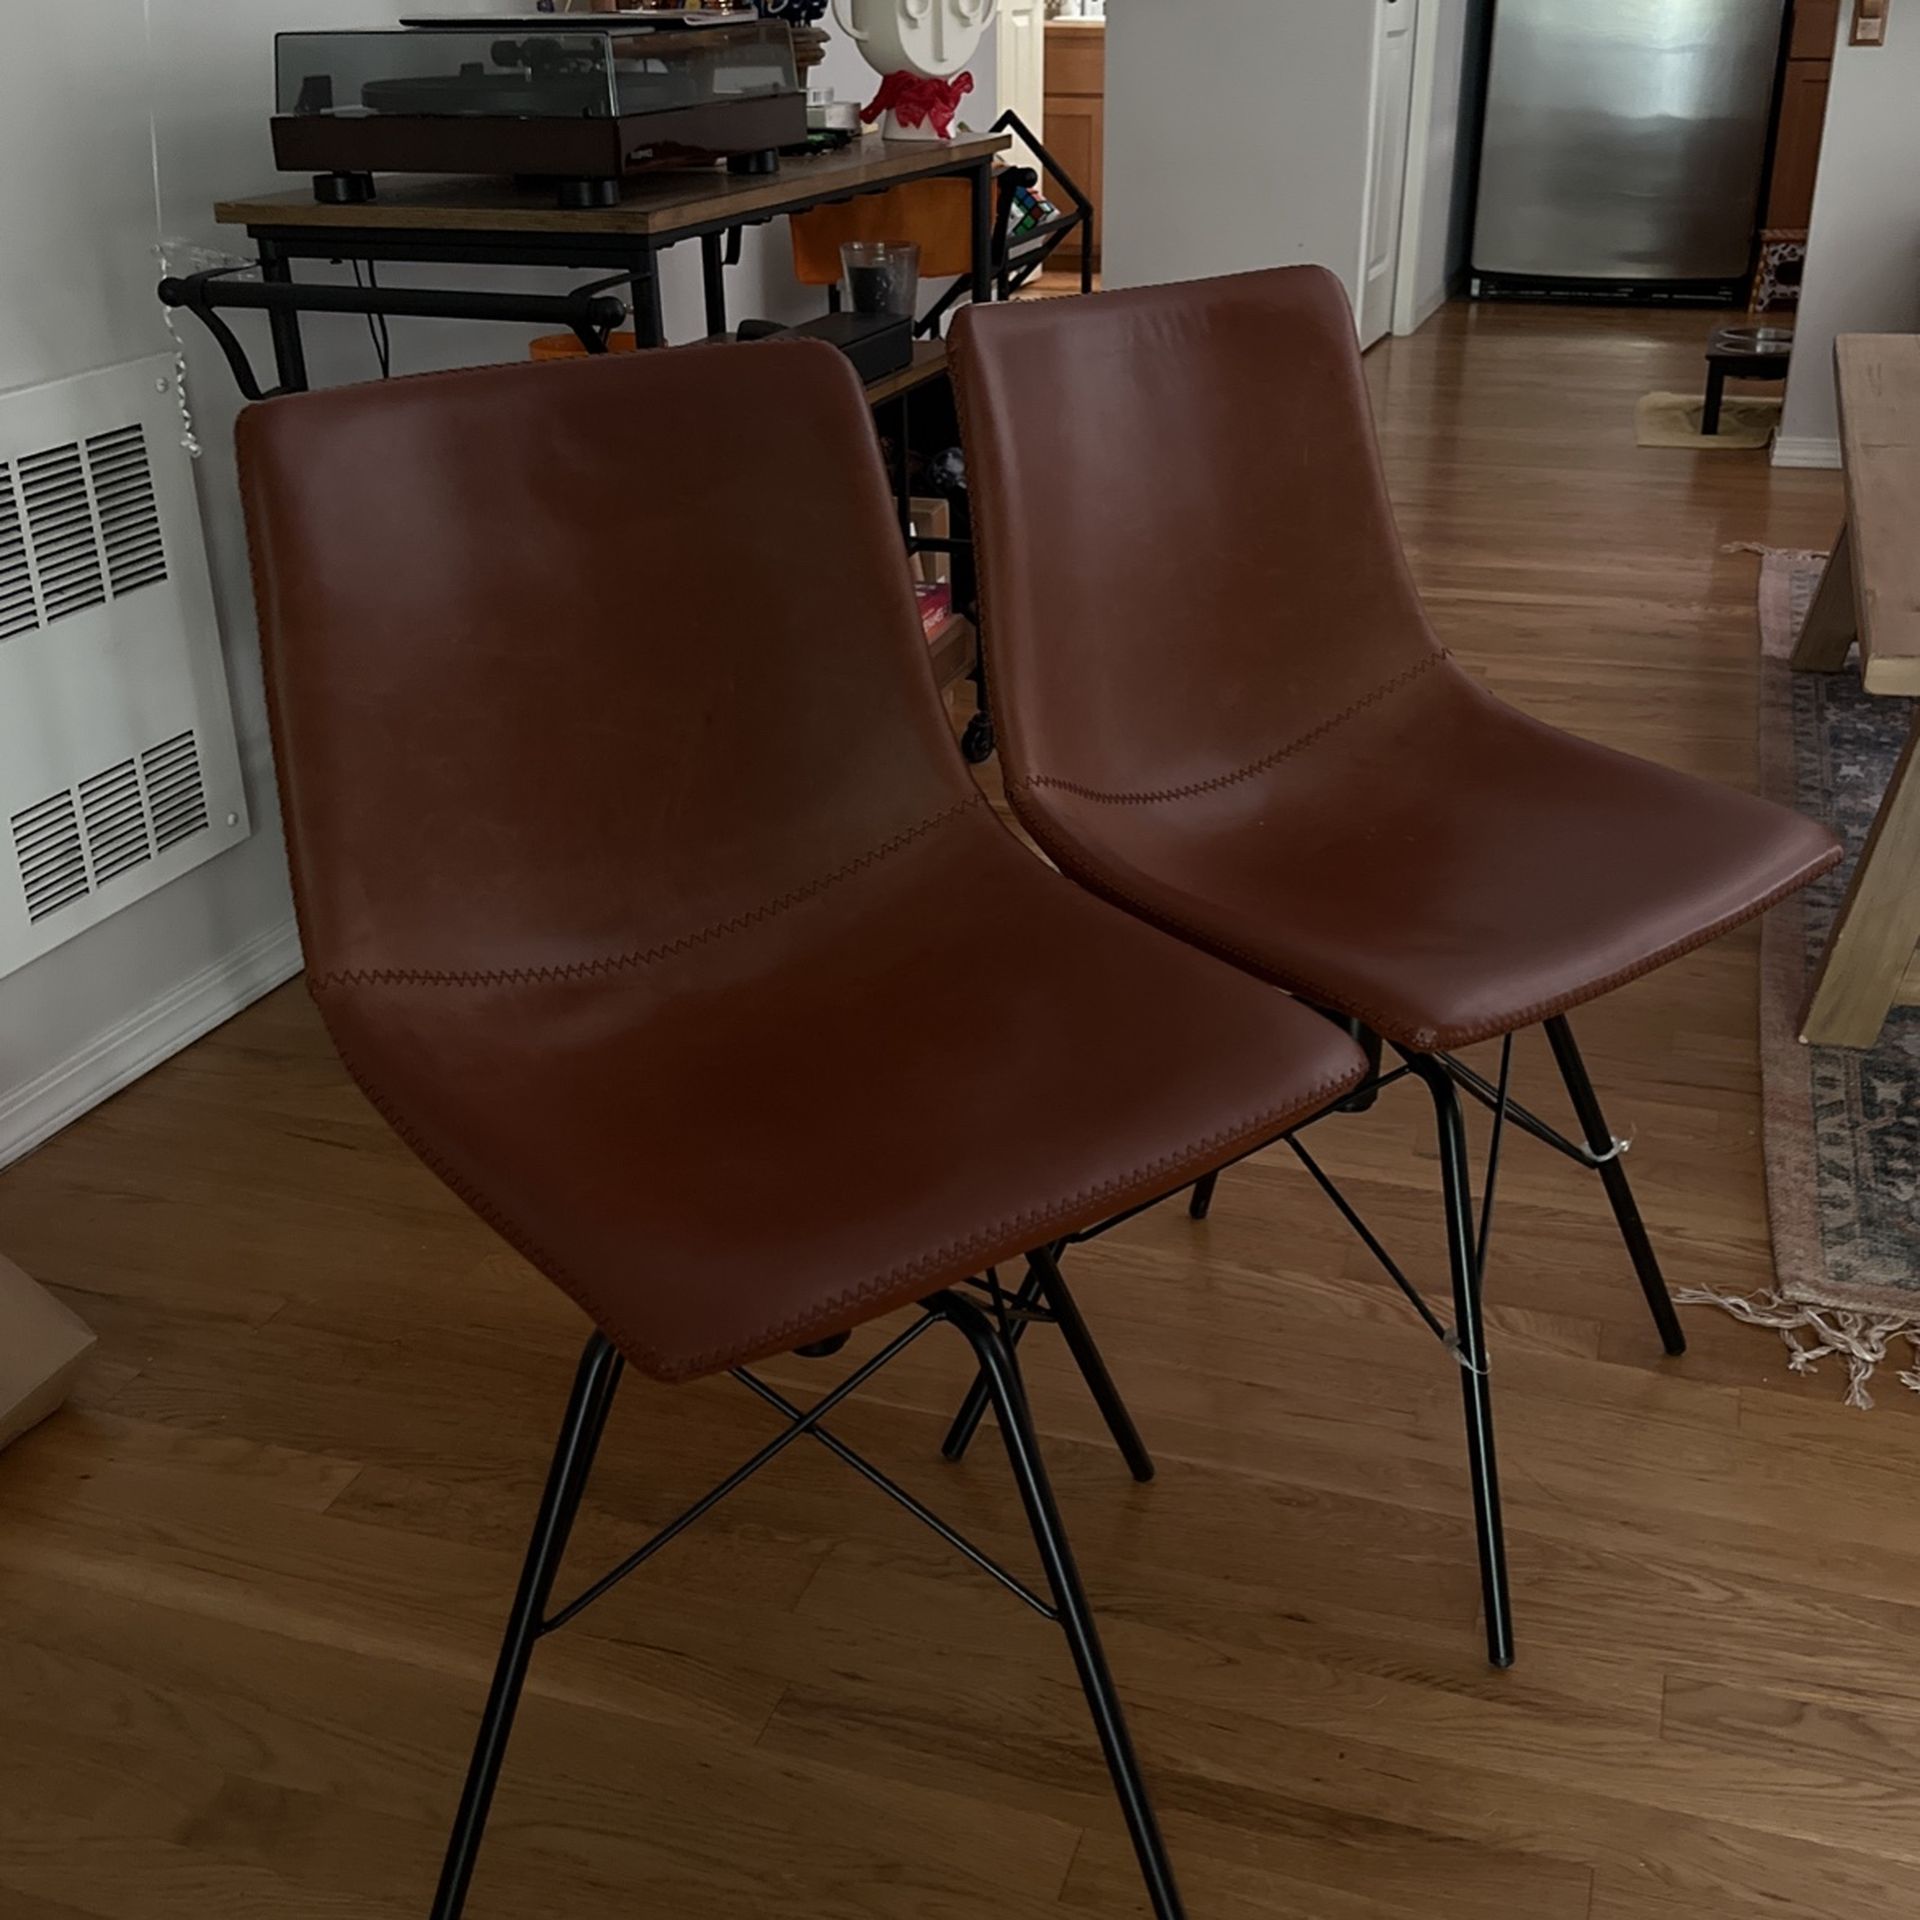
[(1613, 1176), (1045, 1286), (1470, 1350), (593, 1389), (973, 1409), (1202, 1202), (1092, 1363), (1000, 1369), (1369, 1044)]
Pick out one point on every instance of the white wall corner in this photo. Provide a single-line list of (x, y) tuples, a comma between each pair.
[(1405, 322), (138, 1043), (1805, 450)]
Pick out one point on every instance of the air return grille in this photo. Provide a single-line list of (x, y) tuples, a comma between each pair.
[(53, 865), (119, 770), (19, 610), (176, 799), (115, 815), (128, 513), (79, 523), (111, 822), (62, 537)]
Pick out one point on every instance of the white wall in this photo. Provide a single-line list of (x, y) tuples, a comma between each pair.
[(77, 208), (1863, 250), (1237, 137)]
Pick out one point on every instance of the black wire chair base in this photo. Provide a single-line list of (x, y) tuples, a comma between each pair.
[(1469, 1235), (991, 1320)]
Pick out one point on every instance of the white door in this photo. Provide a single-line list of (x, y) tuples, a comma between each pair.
[(1022, 33), (1387, 164)]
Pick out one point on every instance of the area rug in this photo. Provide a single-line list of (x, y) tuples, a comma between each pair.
[(1673, 420), (1842, 1125)]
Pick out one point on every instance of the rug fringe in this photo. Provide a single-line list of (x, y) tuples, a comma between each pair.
[(1860, 1338), (1774, 553)]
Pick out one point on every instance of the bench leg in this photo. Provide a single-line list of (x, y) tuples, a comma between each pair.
[(1874, 938), (1832, 623), (1716, 392)]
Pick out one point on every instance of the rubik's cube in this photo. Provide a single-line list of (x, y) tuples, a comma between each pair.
[(1031, 209)]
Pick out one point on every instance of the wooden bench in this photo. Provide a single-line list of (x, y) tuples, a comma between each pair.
[(1871, 593)]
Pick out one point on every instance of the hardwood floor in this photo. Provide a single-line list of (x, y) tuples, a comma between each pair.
[(251, 1586)]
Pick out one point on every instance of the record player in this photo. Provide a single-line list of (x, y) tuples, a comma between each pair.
[(580, 105)]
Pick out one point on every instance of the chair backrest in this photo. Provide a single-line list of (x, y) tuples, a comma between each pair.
[(1187, 555), (572, 661)]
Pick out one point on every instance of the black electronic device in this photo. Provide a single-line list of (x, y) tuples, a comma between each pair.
[(877, 343), (582, 100)]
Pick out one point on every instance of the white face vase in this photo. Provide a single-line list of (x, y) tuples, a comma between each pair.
[(931, 37)]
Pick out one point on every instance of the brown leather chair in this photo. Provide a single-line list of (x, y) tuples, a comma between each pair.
[(644, 892), (1220, 705)]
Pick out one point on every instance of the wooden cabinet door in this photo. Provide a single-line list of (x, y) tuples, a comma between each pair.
[(1796, 151), (1816, 26), (1075, 132), (1075, 136)]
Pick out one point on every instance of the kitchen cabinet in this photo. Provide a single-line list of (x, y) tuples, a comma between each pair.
[(1796, 146), (1076, 116), (1803, 114), (1816, 26)]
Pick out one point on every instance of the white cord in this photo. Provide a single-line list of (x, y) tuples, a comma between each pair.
[(188, 438)]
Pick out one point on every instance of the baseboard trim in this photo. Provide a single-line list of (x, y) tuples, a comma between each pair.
[(34, 1113), (1804, 451)]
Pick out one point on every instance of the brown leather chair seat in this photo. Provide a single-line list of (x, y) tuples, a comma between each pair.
[(1437, 863), (748, 1139)]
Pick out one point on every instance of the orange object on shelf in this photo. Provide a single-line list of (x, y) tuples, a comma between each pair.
[(566, 346), (938, 214)]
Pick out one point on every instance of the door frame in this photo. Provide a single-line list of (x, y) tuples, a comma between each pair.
[(1415, 204), (1424, 12), (1423, 210), (1006, 35)]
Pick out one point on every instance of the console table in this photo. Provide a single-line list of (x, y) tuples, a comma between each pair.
[(439, 221), (1871, 593)]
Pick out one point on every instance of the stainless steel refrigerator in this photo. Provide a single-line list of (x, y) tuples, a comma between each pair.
[(1625, 143)]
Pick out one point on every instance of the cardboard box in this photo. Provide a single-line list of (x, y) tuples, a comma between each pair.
[(931, 519), (42, 1348)]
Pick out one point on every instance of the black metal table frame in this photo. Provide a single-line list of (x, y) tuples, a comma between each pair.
[(631, 259)]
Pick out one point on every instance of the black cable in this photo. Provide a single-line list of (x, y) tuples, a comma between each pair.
[(383, 341), (376, 322)]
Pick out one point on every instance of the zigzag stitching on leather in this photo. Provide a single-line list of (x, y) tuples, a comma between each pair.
[(829, 1314), (1151, 796), (641, 957), (1428, 1040)]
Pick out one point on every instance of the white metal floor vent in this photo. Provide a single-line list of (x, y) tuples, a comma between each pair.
[(118, 767)]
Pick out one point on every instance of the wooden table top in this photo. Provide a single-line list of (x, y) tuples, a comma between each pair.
[(1879, 379), (654, 204)]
